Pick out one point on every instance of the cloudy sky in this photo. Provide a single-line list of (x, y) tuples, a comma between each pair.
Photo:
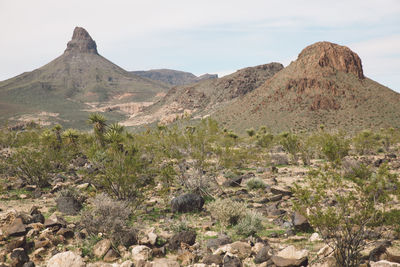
[(218, 36)]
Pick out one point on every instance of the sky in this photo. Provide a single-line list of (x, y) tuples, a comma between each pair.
[(219, 36)]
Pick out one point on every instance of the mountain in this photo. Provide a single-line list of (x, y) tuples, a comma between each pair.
[(202, 98), (174, 77), (325, 85), (78, 81)]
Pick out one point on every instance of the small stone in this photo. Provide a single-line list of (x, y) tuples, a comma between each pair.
[(141, 254), (232, 261), (213, 259), (111, 256), (383, 263), (217, 242), (101, 248), (16, 243), (315, 237), (19, 257), (263, 255)]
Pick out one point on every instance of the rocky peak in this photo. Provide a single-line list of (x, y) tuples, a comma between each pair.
[(81, 42), (330, 55)]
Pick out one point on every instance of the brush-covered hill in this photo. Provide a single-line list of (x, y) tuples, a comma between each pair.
[(174, 77), (325, 85), (202, 98), (77, 81)]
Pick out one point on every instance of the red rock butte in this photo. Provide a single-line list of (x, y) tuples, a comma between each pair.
[(81, 42), (334, 56)]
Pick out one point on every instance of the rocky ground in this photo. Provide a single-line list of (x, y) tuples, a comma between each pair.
[(44, 228)]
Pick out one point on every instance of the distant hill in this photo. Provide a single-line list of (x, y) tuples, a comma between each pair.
[(79, 80), (202, 98), (325, 85), (174, 77)]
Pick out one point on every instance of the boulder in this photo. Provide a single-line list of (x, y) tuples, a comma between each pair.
[(66, 259), (54, 220), (68, 205), (315, 237), (29, 264), (278, 190), (290, 256), (187, 203), (393, 254), (187, 237), (101, 248)]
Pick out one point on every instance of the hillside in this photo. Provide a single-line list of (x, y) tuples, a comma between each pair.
[(174, 77), (77, 81), (204, 97), (325, 85)]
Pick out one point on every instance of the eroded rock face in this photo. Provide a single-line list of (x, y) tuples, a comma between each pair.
[(336, 57), (81, 42)]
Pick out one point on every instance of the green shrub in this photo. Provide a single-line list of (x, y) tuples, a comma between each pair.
[(255, 183), (249, 224), (334, 146), (265, 140), (291, 144), (32, 166), (342, 210), (227, 211), (366, 142), (251, 132)]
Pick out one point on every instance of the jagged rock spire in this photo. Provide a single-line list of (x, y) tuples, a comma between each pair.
[(81, 42)]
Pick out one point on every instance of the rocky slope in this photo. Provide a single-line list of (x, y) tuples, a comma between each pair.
[(174, 77), (325, 85), (204, 97), (78, 76)]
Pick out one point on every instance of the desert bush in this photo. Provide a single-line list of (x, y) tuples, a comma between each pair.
[(110, 217), (334, 146), (249, 224), (342, 209), (366, 142), (265, 140), (31, 165), (255, 183), (251, 132), (389, 137), (122, 174), (291, 144), (307, 147), (227, 211)]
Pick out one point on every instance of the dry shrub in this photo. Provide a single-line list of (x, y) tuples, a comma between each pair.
[(227, 211), (110, 217)]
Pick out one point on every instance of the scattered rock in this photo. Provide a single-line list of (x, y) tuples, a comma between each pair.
[(315, 237), (233, 182), (263, 255), (111, 256), (101, 248), (29, 264), (187, 203), (15, 228), (66, 259), (217, 242), (19, 257), (187, 237), (393, 254), (383, 263), (300, 222), (277, 190), (54, 220), (165, 263), (186, 258), (141, 254), (289, 256), (232, 261), (213, 259)]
